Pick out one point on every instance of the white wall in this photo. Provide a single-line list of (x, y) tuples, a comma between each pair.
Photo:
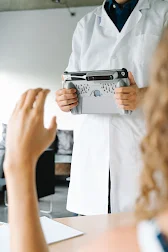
[(34, 51)]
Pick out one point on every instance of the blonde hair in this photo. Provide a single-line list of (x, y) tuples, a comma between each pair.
[(154, 178)]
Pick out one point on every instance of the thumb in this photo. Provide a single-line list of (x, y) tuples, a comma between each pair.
[(53, 127), (131, 79)]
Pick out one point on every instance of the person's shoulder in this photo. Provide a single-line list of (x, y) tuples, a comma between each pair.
[(123, 239)]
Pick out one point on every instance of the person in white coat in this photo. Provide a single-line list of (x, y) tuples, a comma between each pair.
[(118, 34)]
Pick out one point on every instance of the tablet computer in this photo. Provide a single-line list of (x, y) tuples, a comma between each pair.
[(96, 89)]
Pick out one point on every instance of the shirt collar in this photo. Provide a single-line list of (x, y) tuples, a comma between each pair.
[(131, 4)]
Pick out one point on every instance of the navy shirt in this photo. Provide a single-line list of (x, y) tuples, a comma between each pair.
[(120, 13), (163, 242)]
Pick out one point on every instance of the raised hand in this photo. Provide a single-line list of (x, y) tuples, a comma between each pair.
[(27, 137)]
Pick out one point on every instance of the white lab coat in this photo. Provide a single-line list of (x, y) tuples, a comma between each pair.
[(103, 142)]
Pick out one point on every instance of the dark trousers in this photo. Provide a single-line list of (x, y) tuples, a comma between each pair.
[(109, 195)]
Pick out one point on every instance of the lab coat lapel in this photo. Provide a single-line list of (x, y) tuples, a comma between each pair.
[(133, 20), (131, 23), (105, 22)]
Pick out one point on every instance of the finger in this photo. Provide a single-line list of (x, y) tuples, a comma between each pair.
[(67, 102), (131, 100), (127, 107), (123, 102), (14, 110), (124, 90), (31, 97), (52, 128), (65, 91), (131, 79), (66, 97), (122, 96), (69, 107), (21, 101), (40, 101)]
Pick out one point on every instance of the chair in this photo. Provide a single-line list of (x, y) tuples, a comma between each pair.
[(45, 176), (45, 171), (2, 185), (2, 156)]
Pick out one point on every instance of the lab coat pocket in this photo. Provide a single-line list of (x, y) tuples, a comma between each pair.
[(149, 46), (143, 47)]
